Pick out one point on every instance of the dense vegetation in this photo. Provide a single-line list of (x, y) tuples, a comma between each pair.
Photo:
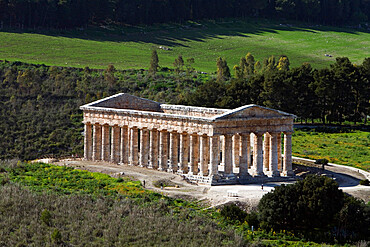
[(338, 145), (80, 208), (60, 14), (315, 208), (47, 205), (128, 47), (39, 104), (333, 94)]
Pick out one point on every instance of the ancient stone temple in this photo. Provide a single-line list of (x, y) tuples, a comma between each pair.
[(205, 145)]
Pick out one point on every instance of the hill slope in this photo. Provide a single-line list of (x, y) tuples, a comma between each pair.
[(130, 47)]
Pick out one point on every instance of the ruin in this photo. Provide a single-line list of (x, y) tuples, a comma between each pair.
[(205, 145)]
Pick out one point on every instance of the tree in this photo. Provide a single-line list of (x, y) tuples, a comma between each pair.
[(249, 68), (178, 64), (310, 203), (223, 71), (154, 61), (283, 63)]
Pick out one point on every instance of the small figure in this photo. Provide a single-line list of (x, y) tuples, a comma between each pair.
[(262, 186), (161, 186), (144, 183)]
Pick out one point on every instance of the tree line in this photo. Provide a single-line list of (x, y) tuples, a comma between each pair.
[(39, 105), (335, 94), (80, 13)]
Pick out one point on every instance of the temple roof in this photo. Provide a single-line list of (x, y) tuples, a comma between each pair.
[(125, 102)]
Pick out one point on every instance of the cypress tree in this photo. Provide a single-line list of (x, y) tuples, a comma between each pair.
[(154, 61)]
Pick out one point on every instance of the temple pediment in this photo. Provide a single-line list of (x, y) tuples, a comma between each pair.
[(127, 101), (253, 111)]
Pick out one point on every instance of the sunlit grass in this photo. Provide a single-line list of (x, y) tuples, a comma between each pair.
[(130, 47), (352, 149)]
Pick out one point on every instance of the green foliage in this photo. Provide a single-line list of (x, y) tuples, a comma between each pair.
[(322, 161), (43, 118), (365, 182), (342, 146), (97, 47), (353, 220), (232, 212), (308, 204), (67, 180), (56, 236), (223, 71), (46, 217), (164, 183), (154, 62)]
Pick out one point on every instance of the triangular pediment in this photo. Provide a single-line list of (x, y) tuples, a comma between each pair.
[(253, 111), (127, 101)]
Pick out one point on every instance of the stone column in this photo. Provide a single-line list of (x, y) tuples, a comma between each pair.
[(280, 167), (257, 155), (163, 150), (174, 161), (97, 142), (144, 148), (266, 151), (125, 145), (194, 154), (88, 142), (115, 149), (184, 153), (105, 143), (204, 150), (287, 166), (274, 155), (244, 155), (134, 149), (223, 150), (214, 156), (236, 149), (153, 149), (228, 155)]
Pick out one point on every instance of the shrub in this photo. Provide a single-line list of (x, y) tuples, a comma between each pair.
[(365, 182), (56, 236), (233, 212), (46, 217), (322, 161)]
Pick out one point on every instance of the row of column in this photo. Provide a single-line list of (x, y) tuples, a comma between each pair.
[(189, 153)]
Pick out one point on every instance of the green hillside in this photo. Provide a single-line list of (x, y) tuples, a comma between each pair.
[(130, 47)]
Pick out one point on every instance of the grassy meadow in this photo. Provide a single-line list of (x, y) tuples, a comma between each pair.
[(352, 148), (130, 47)]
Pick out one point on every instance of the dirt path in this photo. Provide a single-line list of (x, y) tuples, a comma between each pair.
[(214, 195)]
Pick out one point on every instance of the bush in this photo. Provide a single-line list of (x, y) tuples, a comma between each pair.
[(46, 217), (56, 236), (365, 182), (233, 213), (308, 204), (321, 161)]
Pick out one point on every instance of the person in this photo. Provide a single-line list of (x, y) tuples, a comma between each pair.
[(144, 183), (161, 186), (262, 186)]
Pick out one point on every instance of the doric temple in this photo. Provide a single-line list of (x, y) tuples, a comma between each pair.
[(205, 145)]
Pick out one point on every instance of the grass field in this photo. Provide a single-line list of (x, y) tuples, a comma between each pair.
[(130, 47), (351, 148)]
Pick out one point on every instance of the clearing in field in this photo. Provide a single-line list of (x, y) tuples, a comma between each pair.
[(352, 149), (130, 47)]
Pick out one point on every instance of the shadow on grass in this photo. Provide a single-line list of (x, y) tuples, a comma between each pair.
[(172, 35)]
